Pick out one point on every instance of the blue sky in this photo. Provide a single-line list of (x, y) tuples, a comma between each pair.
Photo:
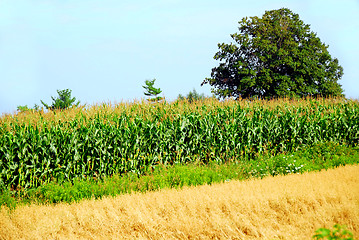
[(104, 50)]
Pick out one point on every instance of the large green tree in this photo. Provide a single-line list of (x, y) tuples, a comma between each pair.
[(275, 56)]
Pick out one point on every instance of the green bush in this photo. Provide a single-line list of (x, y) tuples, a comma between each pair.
[(338, 233)]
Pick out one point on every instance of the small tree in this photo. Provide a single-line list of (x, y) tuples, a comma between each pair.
[(63, 101), (275, 56), (25, 108), (151, 91), (192, 96)]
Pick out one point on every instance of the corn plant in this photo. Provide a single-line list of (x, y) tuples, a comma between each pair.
[(98, 141)]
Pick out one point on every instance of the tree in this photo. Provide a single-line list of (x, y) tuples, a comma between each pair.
[(151, 91), (63, 101), (275, 56), (25, 108), (192, 96)]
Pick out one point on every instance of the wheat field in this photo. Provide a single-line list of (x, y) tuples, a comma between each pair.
[(281, 207)]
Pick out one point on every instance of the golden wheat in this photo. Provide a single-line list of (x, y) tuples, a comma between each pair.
[(282, 207)]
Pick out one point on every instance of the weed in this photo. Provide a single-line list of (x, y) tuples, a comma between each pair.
[(338, 233)]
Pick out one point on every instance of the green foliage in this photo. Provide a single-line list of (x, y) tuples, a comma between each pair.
[(275, 56), (144, 136), (192, 96), (7, 199), (314, 158), (63, 101), (176, 176), (338, 233), (151, 91), (25, 108)]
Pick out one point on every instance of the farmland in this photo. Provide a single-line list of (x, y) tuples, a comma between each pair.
[(280, 207), (96, 142)]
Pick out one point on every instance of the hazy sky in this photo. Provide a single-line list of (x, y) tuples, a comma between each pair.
[(104, 50)]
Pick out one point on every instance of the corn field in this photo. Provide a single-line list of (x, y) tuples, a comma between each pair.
[(102, 140)]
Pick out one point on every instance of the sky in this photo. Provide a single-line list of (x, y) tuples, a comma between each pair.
[(104, 50)]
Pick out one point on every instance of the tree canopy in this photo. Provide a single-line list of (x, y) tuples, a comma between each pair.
[(63, 101), (275, 56), (151, 91), (192, 96)]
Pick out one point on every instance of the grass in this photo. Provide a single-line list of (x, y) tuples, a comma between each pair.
[(320, 156), (281, 207)]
